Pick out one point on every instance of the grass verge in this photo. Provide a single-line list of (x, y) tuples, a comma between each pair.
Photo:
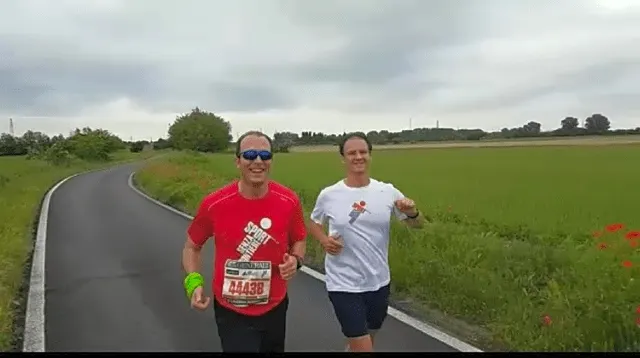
[(23, 184)]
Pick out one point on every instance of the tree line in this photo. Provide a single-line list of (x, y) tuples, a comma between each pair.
[(204, 131), (85, 144), (596, 124)]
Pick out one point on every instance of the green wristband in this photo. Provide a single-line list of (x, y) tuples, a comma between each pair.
[(193, 281)]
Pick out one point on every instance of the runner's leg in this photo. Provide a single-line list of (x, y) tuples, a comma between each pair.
[(351, 313), (274, 330), (377, 304), (237, 333)]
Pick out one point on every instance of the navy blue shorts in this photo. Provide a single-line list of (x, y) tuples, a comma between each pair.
[(361, 312)]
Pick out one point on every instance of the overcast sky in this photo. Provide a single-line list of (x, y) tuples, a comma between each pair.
[(130, 66)]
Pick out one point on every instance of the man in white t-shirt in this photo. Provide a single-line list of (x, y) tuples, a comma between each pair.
[(358, 211)]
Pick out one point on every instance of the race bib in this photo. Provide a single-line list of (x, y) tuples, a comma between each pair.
[(246, 282)]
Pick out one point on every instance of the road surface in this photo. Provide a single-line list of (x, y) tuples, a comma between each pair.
[(113, 280)]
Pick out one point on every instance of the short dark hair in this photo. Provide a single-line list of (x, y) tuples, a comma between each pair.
[(250, 133), (354, 135)]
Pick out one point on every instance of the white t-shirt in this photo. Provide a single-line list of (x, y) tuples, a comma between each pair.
[(363, 264)]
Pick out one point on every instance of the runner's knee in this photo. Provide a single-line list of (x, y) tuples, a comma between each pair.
[(360, 344)]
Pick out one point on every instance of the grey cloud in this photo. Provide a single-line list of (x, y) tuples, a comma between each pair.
[(581, 83), (235, 97), (53, 85), (380, 42), (357, 55)]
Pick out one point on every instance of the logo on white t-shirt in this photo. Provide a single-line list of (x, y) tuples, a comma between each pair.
[(357, 209)]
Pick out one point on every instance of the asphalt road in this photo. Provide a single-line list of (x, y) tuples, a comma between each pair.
[(114, 281)]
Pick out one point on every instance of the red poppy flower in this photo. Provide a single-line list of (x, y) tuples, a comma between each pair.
[(631, 235), (638, 310), (597, 234), (614, 227), (546, 320), (627, 263), (602, 246)]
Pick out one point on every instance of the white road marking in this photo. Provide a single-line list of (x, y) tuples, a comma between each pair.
[(34, 338), (400, 316)]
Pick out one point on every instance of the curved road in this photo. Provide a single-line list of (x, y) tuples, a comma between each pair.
[(113, 280)]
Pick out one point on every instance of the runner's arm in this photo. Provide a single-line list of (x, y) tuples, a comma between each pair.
[(298, 233), (199, 231), (416, 222), (317, 219)]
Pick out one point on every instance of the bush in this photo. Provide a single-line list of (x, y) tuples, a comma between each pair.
[(58, 155), (93, 145), (280, 148), (137, 147), (161, 144)]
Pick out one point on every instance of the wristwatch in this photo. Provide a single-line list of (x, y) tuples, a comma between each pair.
[(299, 262), (414, 216)]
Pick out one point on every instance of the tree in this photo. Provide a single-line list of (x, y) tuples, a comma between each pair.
[(58, 154), (86, 144), (10, 145), (283, 141), (532, 128), (597, 123), (36, 141), (93, 145), (137, 147), (569, 123), (200, 131), (161, 144)]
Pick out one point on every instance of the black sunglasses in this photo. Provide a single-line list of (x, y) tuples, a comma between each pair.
[(253, 154)]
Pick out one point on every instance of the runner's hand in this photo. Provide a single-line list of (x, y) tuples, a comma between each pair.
[(406, 206), (289, 267), (198, 300), (332, 245)]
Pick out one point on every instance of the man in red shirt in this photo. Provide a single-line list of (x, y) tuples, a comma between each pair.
[(259, 237)]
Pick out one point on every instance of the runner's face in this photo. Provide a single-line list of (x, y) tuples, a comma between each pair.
[(254, 171), (356, 155)]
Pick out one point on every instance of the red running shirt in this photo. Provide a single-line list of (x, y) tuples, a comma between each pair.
[(251, 237)]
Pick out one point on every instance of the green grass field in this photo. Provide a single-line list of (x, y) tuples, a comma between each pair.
[(509, 247), (23, 184)]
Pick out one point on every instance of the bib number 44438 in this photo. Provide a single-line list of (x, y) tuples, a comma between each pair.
[(247, 282), (246, 288)]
